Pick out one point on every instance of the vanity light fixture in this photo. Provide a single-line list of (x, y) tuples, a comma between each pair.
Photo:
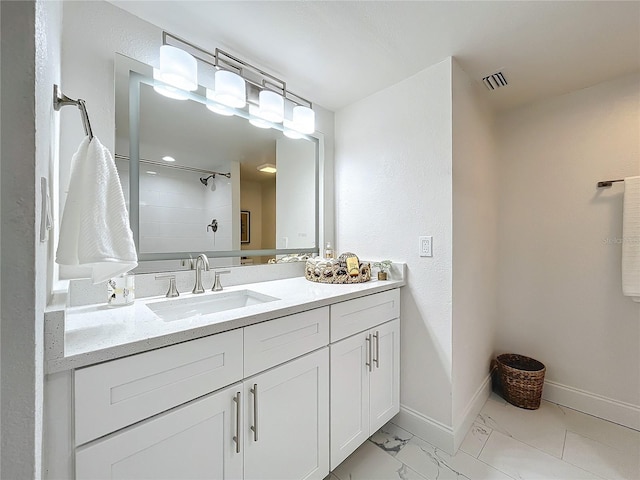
[(267, 168), (289, 130), (178, 68), (256, 118), (271, 106), (304, 119), (230, 89), (216, 107), (167, 90), (237, 83)]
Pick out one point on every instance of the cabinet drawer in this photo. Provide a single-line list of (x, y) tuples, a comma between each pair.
[(360, 314), (277, 341), (115, 394)]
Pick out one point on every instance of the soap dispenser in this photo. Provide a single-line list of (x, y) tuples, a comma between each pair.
[(328, 251)]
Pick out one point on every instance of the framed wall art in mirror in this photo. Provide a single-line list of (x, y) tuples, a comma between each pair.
[(245, 226)]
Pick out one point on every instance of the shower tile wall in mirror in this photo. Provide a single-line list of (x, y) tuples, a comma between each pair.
[(183, 209)]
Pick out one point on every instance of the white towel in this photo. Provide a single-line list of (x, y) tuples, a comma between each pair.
[(95, 229), (631, 239)]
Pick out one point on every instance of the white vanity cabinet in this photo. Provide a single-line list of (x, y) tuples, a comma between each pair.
[(365, 371), (287, 421), (273, 424), (283, 399), (193, 441)]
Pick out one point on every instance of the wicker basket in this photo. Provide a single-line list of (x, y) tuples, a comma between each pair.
[(522, 380), (332, 271)]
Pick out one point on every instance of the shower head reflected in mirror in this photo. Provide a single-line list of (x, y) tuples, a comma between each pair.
[(205, 180)]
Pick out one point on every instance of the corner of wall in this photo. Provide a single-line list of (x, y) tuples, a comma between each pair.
[(475, 255)]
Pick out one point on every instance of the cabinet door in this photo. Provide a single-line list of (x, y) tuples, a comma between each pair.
[(349, 396), (384, 384), (193, 441), (287, 421)]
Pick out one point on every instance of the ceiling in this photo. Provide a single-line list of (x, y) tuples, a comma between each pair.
[(337, 52)]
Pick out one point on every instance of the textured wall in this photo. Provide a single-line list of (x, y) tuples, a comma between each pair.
[(560, 294), (30, 66), (475, 228), (393, 182)]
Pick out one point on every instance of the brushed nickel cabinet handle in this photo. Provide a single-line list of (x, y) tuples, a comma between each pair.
[(254, 427), (369, 362), (376, 359), (238, 407)]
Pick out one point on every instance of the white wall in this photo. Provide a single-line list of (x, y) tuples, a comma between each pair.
[(475, 225), (393, 182), (560, 297), (30, 56)]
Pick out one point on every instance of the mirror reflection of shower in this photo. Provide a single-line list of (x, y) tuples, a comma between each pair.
[(205, 180)]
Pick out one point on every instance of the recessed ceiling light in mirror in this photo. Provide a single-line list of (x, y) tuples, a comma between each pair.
[(267, 168), (168, 158)]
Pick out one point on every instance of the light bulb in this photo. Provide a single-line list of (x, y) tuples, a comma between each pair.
[(304, 119), (256, 119), (217, 107), (178, 68), (166, 90), (289, 131), (271, 106), (230, 89)]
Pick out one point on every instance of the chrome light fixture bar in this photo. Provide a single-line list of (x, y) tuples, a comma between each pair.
[(237, 82)]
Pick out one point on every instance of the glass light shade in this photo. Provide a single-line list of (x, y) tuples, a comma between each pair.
[(304, 119), (178, 68), (216, 107), (271, 106), (230, 89), (256, 118), (289, 131), (166, 90)]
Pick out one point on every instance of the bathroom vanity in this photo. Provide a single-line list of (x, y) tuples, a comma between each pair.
[(284, 388)]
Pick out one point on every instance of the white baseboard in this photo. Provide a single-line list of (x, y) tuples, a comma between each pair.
[(436, 433), (597, 405), (471, 412), (427, 428)]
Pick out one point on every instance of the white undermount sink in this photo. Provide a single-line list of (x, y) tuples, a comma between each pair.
[(181, 308)]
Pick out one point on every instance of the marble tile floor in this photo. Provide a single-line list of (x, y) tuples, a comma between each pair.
[(504, 443)]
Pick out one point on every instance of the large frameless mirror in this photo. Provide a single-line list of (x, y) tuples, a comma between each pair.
[(200, 182)]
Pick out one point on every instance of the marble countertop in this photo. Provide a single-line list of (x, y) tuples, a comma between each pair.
[(96, 333)]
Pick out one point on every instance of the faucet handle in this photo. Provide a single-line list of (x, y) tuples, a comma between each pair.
[(217, 286), (173, 290)]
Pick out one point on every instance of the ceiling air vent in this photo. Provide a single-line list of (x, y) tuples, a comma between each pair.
[(494, 81)]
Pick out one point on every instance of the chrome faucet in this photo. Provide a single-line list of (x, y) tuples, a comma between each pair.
[(202, 263)]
